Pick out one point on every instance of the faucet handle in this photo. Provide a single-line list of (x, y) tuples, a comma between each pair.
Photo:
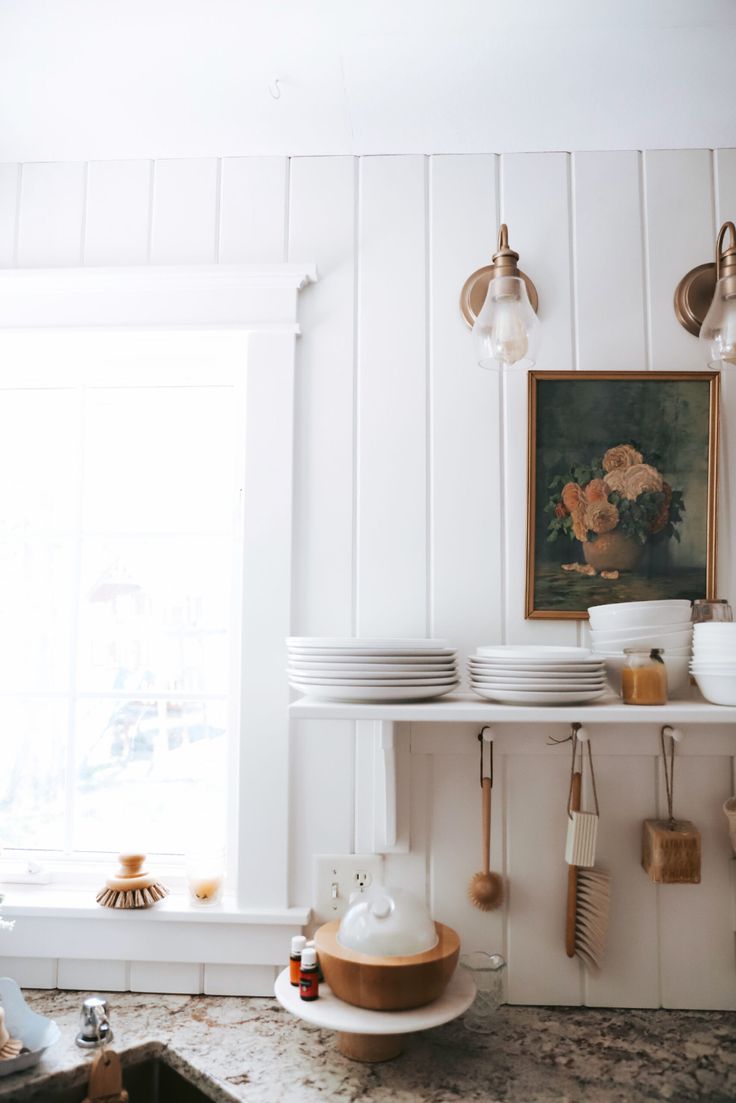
[(94, 1028)]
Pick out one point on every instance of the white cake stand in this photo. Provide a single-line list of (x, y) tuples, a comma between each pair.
[(374, 1035)]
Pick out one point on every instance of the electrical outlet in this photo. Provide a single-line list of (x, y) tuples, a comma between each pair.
[(337, 876)]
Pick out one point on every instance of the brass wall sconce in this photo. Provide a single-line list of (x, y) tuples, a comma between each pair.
[(499, 302), (705, 301)]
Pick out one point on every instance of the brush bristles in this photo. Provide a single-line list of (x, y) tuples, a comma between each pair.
[(591, 916), (10, 1049), (133, 898)]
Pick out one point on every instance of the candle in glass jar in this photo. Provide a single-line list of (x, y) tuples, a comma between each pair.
[(205, 876), (644, 678)]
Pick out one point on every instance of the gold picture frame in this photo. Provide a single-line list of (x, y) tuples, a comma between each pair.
[(686, 436)]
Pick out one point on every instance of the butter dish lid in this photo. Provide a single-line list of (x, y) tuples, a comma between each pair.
[(387, 922)]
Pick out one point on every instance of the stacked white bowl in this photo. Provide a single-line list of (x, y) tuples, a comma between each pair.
[(526, 675), (344, 668), (643, 624), (714, 661)]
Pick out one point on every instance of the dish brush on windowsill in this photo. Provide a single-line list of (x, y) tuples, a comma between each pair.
[(132, 886)]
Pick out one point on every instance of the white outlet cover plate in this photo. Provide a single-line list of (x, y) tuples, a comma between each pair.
[(348, 872)]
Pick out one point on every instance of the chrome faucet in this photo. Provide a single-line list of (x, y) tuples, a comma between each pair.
[(95, 1029)]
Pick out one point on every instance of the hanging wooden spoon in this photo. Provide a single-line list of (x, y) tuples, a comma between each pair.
[(485, 890)]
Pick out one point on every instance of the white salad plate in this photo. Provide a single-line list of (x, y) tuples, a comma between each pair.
[(534, 651), (377, 693), (547, 697), (313, 659), (541, 683), (36, 1032), (533, 668), (381, 653)]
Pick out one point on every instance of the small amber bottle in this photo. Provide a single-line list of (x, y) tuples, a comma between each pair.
[(298, 943), (309, 975)]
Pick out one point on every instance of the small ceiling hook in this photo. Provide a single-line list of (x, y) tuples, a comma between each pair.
[(274, 89)]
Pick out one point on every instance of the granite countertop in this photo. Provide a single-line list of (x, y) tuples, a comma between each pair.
[(251, 1050)]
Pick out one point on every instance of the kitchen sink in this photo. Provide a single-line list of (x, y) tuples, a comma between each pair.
[(151, 1081)]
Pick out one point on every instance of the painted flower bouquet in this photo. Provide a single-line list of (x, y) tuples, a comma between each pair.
[(614, 508)]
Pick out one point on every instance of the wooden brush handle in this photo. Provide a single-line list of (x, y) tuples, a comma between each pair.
[(572, 875), (486, 824), (131, 874)]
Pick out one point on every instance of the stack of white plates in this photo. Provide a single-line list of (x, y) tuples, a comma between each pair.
[(537, 675), (349, 669), (714, 661), (643, 624)]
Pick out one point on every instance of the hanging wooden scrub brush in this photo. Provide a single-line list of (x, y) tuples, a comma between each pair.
[(132, 886), (671, 848), (588, 889), (486, 889)]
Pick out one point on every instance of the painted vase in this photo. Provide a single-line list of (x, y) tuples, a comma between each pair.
[(612, 551)]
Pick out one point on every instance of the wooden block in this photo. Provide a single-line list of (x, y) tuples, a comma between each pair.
[(670, 851)]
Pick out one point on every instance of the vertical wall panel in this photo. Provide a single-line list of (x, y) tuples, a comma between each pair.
[(118, 212), (678, 196), (184, 228), (627, 795), (410, 869), (322, 228), (392, 399), (253, 210), (9, 193), (535, 204), (609, 261), (466, 559), (536, 828), (51, 214), (695, 921), (725, 181)]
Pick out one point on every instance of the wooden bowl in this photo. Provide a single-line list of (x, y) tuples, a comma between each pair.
[(387, 983)]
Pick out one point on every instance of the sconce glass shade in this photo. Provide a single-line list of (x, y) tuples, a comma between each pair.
[(506, 331), (718, 331)]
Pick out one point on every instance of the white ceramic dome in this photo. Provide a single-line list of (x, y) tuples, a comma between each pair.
[(387, 922)]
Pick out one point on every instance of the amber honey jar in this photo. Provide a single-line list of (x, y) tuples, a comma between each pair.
[(644, 678)]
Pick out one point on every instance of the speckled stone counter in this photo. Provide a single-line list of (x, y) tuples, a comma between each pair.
[(251, 1050)]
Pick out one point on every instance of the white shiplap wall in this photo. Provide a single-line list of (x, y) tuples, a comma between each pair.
[(410, 486)]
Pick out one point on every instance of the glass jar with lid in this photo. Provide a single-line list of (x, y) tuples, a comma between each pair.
[(644, 677), (717, 610)]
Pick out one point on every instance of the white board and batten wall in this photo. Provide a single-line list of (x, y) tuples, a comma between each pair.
[(410, 489)]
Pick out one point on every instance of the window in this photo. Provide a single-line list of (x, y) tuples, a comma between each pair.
[(120, 553)]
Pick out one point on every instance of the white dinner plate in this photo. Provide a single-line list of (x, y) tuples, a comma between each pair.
[(524, 687), (384, 679), (382, 653), (534, 651), (377, 680), (368, 693), (516, 697), (341, 659), (528, 667), (552, 681), (397, 643), (374, 671)]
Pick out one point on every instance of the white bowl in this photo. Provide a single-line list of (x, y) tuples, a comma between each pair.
[(719, 689), (645, 639), (677, 652), (642, 629), (35, 1031), (628, 614), (714, 627), (677, 672)]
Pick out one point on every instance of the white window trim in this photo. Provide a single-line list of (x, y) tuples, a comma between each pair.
[(262, 304)]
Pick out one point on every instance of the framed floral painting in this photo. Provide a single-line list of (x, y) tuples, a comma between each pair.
[(622, 488)]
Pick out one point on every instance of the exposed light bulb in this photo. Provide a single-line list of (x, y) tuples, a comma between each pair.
[(506, 329), (718, 331)]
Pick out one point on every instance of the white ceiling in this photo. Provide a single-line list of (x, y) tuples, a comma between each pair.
[(85, 79)]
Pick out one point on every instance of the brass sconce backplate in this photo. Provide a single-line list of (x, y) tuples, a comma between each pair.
[(693, 296), (475, 289)]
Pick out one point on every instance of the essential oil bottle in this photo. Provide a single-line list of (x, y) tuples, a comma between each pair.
[(308, 976), (298, 943)]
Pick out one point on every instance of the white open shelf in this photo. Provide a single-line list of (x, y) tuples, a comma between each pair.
[(468, 708)]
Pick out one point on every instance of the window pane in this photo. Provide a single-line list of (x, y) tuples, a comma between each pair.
[(36, 589), (155, 615), (159, 460), (149, 773), (32, 779)]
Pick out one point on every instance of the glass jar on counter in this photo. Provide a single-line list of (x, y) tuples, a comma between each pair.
[(716, 610), (644, 677), (488, 972)]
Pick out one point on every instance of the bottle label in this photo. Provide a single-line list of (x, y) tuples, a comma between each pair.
[(309, 986)]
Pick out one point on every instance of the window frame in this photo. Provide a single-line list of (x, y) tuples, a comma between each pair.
[(257, 305)]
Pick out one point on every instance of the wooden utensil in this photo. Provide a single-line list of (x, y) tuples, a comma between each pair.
[(486, 889), (106, 1079)]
